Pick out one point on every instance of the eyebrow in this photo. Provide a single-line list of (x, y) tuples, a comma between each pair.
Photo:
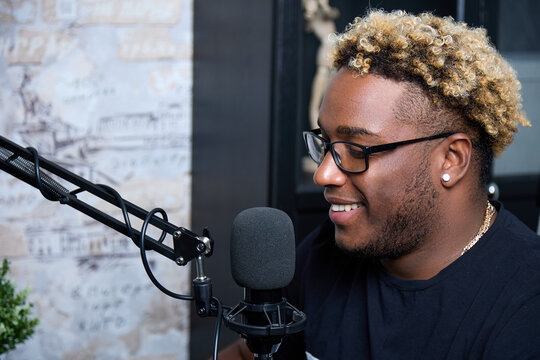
[(349, 130), (352, 131)]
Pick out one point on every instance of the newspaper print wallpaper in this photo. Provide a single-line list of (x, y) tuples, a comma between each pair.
[(103, 88)]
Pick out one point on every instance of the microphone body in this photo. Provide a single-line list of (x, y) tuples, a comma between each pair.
[(266, 344), (262, 262)]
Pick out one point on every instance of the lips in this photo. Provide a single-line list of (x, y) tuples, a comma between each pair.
[(344, 207), (343, 217)]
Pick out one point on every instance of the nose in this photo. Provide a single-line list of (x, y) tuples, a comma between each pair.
[(328, 173)]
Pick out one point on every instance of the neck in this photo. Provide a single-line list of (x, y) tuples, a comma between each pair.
[(459, 224)]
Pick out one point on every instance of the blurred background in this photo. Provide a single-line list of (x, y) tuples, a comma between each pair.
[(196, 107)]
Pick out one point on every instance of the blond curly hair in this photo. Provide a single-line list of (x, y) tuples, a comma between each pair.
[(453, 62)]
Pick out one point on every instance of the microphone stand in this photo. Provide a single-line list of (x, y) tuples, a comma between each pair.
[(26, 165), (263, 325)]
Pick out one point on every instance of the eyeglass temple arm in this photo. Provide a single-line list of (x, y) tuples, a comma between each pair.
[(391, 146)]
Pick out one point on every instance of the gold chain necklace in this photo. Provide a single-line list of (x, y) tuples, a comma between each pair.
[(490, 211)]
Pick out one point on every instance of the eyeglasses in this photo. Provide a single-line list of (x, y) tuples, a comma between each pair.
[(349, 156)]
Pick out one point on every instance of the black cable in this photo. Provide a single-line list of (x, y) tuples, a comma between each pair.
[(47, 194), (52, 196), (145, 260), (122, 205), (218, 326), (125, 213)]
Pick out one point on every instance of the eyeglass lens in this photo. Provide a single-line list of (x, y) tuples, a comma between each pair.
[(347, 156)]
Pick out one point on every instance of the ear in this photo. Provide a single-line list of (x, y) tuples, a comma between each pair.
[(455, 159)]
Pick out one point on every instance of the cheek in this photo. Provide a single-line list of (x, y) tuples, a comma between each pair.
[(389, 179)]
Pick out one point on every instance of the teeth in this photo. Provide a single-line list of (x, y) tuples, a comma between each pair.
[(341, 207)]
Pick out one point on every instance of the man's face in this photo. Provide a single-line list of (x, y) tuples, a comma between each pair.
[(393, 204)]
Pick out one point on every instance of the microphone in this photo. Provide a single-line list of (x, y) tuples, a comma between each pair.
[(262, 262)]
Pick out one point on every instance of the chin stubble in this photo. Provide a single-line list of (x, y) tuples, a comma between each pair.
[(405, 228)]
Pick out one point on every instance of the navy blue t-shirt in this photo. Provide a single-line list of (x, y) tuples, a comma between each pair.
[(485, 305)]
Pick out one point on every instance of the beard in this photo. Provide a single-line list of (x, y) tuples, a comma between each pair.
[(408, 225)]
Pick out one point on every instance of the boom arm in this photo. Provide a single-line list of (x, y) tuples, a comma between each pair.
[(25, 164)]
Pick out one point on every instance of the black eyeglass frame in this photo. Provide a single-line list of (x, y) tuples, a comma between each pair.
[(367, 150)]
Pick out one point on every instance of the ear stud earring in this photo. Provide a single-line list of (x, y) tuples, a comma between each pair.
[(445, 177)]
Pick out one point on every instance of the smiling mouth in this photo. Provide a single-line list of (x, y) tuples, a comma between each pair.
[(344, 207)]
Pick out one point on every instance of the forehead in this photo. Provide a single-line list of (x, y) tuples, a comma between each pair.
[(362, 102)]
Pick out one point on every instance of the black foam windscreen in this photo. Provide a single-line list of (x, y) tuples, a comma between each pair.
[(262, 249)]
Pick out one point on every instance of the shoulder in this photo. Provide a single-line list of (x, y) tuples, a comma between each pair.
[(511, 254), (517, 242), (517, 333)]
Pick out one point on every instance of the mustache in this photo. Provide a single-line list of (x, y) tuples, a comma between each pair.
[(357, 197)]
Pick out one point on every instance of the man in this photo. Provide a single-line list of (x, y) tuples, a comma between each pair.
[(416, 263)]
